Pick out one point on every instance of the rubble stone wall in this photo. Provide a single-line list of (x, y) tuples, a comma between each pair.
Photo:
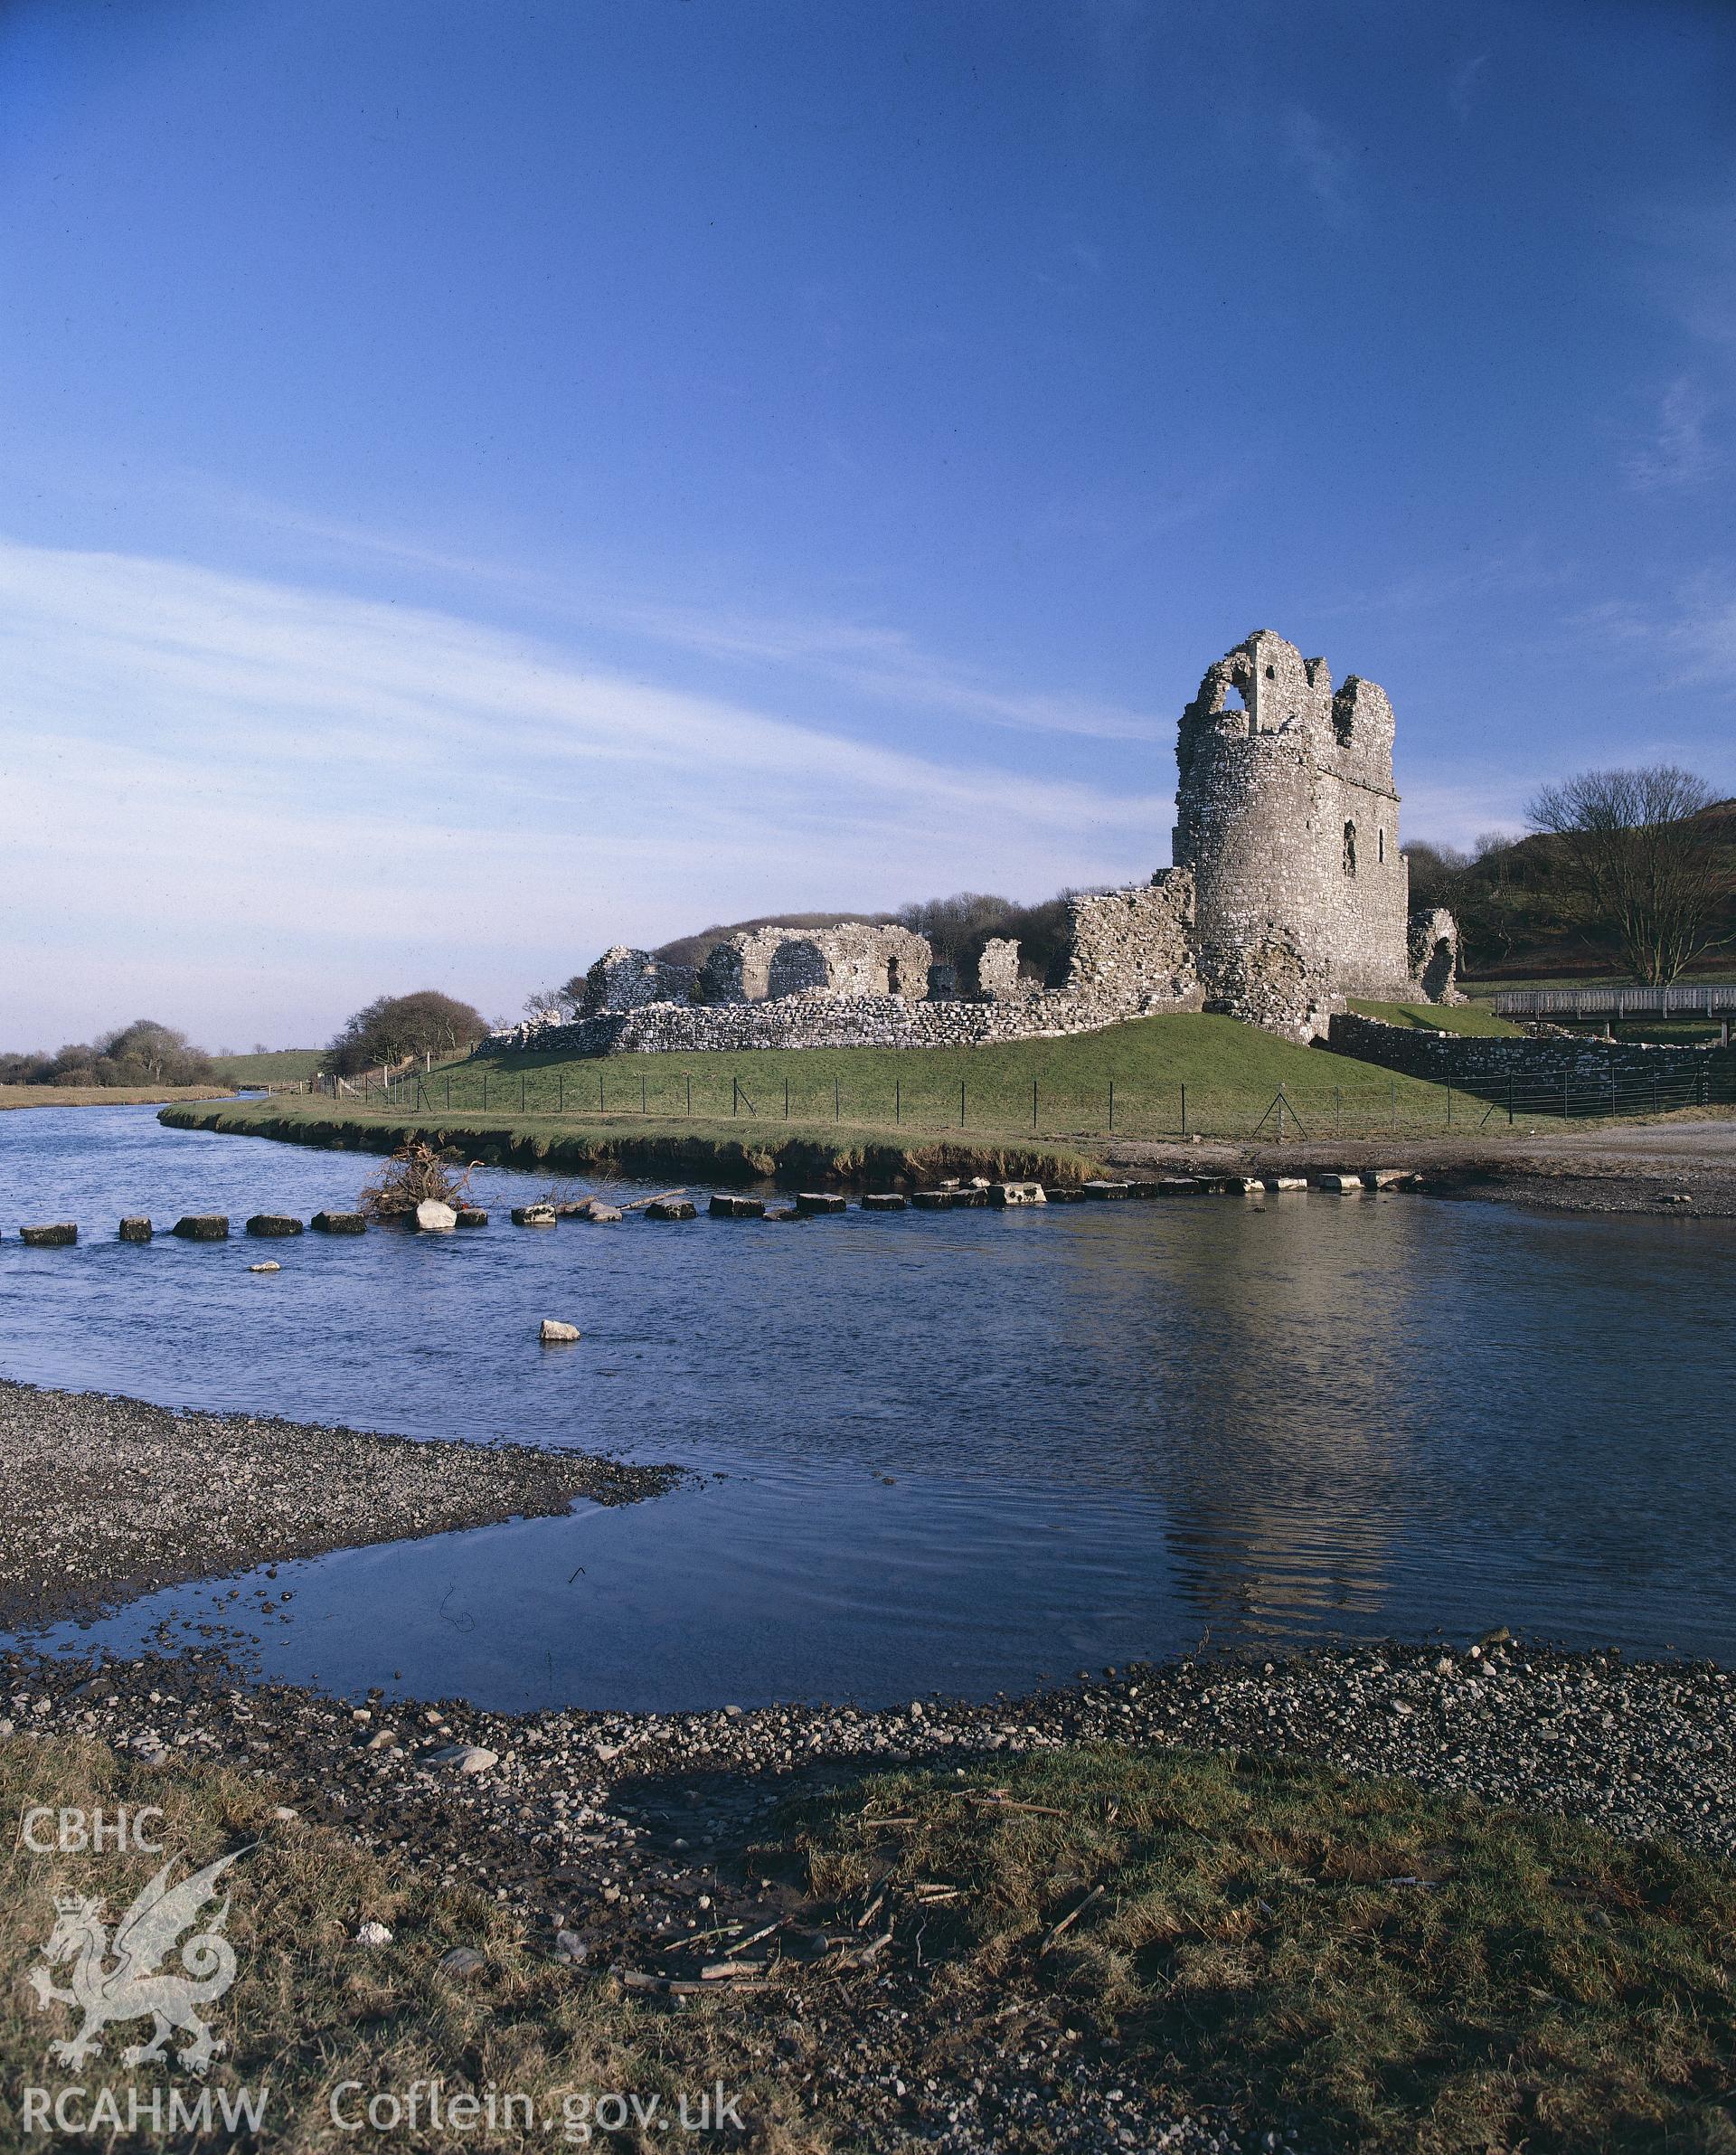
[(1480, 1064)]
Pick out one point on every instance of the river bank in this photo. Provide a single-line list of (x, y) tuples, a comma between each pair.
[(104, 1499), (105, 1096), (874, 1893), (1639, 1167)]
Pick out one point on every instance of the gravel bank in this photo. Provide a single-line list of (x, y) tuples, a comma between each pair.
[(646, 1837), (104, 1499)]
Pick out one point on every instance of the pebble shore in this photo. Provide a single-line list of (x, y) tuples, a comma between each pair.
[(631, 1842), (105, 1498)]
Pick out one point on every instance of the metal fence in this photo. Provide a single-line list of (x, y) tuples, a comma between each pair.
[(925, 1108)]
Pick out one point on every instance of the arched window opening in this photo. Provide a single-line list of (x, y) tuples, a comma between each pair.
[(1271, 673), (1350, 849), (892, 986)]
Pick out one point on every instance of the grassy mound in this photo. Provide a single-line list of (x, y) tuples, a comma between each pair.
[(1127, 1080), (1398, 1971)]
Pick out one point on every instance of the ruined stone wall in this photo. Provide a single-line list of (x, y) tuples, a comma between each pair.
[(624, 979), (1132, 949), (854, 959), (1480, 1064), (1128, 959)]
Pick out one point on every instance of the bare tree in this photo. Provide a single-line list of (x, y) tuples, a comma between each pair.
[(1646, 856)]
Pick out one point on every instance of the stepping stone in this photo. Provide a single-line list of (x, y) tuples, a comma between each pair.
[(728, 1206), (533, 1215), (1016, 1193), (933, 1200), (433, 1217), (135, 1228), (277, 1224), (969, 1195), (1383, 1179), (813, 1202), (1097, 1188), (339, 1223), (201, 1227), (1341, 1186), (472, 1216), (1065, 1192), (553, 1332), (54, 1237), (1285, 1181), (885, 1201), (671, 1208)]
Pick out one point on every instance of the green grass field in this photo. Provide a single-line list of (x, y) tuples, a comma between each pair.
[(281, 1066), (1443, 1017), (1060, 1088)]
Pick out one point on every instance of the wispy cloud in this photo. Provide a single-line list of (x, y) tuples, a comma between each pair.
[(1678, 450), (1324, 162), (331, 795), (814, 650), (1461, 85)]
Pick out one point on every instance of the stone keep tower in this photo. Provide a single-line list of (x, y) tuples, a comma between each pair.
[(1288, 817)]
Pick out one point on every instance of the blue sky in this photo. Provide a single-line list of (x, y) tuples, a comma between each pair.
[(479, 482)]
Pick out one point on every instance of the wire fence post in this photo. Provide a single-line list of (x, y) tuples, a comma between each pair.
[(1393, 1083), (1278, 1103), (1449, 1106), (485, 1092), (786, 1100), (1509, 1100), (642, 1100), (690, 1096), (1112, 1107), (1337, 1111), (521, 1091), (1567, 1098), (961, 1104), (1034, 1107), (897, 1100), (1184, 1111), (837, 1101), (735, 1093), (560, 1091)]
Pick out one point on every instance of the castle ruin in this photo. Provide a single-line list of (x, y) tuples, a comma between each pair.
[(1288, 895)]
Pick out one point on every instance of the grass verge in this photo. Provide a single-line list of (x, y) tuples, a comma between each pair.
[(98, 1096), (1472, 1019), (731, 1152), (1419, 1974)]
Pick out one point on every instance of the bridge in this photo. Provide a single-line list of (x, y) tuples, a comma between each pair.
[(1563, 1006)]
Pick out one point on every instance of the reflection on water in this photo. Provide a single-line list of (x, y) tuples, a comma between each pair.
[(960, 1449)]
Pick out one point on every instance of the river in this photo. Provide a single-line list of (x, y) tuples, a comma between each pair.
[(954, 1451)]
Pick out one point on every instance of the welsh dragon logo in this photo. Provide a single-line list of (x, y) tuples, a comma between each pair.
[(134, 1987)]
